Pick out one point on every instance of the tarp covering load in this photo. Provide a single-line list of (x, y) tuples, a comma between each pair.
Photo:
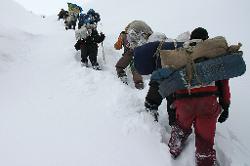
[(87, 22), (94, 17), (219, 68), (198, 64), (74, 9), (209, 48), (138, 32), (84, 31), (203, 50), (91, 17)]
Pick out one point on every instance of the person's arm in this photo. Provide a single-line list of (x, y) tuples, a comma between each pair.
[(224, 99), (224, 93), (98, 38)]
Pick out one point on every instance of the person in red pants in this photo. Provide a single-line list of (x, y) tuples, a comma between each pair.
[(200, 107)]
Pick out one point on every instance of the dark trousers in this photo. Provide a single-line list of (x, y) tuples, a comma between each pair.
[(153, 96), (89, 51)]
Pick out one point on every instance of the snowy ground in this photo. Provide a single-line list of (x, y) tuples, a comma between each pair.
[(55, 113)]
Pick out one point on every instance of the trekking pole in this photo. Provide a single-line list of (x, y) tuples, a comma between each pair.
[(103, 54)]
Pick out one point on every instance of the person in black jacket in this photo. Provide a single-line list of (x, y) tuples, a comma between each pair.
[(89, 48)]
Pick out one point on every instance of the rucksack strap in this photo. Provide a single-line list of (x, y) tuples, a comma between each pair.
[(157, 54), (194, 95)]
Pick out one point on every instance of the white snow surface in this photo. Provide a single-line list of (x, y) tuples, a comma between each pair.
[(55, 113)]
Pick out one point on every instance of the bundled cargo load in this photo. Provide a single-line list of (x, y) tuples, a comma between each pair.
[(223, 67), (207, 49), (179, 65), (74, 9), (84, 31)]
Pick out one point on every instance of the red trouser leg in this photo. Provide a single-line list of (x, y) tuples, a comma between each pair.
[(182, 129), (205, 126), (203, 112)]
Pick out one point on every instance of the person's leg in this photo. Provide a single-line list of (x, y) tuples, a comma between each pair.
[(182, 128), (84, 55), (93, 51), (138, 80), (205, 126), (153, 99), (123, 62)]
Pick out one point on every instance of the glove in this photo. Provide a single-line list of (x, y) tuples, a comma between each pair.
[(223, 116), (102, 37), (77, 46)]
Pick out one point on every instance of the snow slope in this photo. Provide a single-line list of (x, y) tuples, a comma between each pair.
[(55, 113)]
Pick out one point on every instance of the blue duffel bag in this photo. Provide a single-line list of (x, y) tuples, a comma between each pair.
[(146, 59)]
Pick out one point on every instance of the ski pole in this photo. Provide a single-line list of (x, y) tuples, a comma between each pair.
[(103, 54)]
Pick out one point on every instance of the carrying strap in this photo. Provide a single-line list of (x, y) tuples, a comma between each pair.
[(157, 54), (191, 69), (194, 95)]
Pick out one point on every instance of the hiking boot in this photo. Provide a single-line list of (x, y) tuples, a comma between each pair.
[(123, 77), (84, 64), (155, 114), (152, 109), (139, 85), (177, 140), (96, 67)]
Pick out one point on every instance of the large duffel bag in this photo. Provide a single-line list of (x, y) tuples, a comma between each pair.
[(147, 60)]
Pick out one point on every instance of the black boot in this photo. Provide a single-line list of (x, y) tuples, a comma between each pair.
[(152, 109), (123, 77), (84, 64), (96, 66)]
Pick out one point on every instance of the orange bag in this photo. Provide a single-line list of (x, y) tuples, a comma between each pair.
[(118, 44)]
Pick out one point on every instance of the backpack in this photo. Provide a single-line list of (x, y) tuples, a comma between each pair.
[(138, 33), (83, 19), (207, 49), (93, 16)]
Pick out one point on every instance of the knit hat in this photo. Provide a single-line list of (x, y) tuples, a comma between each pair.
[(199, 33)]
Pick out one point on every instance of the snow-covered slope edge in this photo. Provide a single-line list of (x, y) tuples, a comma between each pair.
[(55, 113)]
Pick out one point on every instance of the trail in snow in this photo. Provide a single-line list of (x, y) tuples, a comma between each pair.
[(56, 113), (64, 114)]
